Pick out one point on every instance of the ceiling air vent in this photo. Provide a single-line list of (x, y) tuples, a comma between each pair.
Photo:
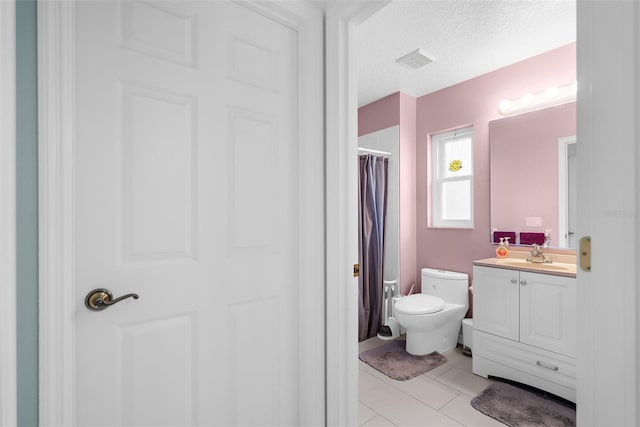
[(414, 59)]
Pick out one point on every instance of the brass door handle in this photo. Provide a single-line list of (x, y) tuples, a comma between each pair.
[(99, 299)]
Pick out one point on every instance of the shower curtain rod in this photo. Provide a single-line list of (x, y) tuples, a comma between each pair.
[(378, 152)]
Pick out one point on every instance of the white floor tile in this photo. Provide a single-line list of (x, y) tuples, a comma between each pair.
[(363, 367), (375, 373), (465, 364), (455, 354), (367, 381), (436, 372), (402, 409), (427, 391), (365, 413), (460, 409), (440, 397), (379, 421), (463, 381), (459, 360)]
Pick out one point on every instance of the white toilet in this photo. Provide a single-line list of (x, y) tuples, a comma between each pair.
[(433, 318)]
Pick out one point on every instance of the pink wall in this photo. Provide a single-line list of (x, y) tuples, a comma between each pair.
[(524, 156), (475, 102), (379, 115), (408, 235), (399, 109)]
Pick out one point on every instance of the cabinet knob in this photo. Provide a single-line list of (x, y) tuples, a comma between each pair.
[(514, 281), (523, 282)]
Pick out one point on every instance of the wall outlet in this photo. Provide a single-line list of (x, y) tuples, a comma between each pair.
[(533, 221)]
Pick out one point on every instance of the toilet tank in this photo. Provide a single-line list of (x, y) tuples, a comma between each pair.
[(451, 286)]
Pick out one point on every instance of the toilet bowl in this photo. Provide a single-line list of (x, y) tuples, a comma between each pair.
[(433, 318)]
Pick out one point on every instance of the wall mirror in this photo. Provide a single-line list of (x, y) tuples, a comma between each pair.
[(532, 175)]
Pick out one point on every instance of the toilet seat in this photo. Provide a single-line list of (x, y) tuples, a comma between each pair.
[(419, 304)]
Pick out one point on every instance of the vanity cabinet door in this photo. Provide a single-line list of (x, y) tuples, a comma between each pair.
[(496, 301), (548, 312)]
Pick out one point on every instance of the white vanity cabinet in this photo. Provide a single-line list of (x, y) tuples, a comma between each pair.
[(496, 301), (525, 328)]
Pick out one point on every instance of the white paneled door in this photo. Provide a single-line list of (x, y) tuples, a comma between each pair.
[(187, 194)]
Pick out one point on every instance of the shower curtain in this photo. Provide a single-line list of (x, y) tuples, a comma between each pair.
[(372, 207)]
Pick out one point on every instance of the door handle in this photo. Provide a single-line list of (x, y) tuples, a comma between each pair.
[(99, 299), (547, 365)]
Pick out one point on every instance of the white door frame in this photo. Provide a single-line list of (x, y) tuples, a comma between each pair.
[(341, 107), (8, 358), (56, 83), (563, 190)]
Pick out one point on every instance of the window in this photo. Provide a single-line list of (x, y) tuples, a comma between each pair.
[(452, 179)]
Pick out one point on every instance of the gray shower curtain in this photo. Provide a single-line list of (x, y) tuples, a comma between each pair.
[(372, 208)]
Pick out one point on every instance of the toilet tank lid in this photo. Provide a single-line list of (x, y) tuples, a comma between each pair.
[(444, 274)]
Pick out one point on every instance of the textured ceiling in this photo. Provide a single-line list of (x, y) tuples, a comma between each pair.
[(466, 38)]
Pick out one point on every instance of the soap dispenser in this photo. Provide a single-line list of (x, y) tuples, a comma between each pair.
[(501, 250)]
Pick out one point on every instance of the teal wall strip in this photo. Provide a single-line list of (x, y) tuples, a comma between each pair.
[(27, 211)]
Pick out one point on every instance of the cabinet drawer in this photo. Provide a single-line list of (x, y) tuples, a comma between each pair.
[(544, 364)]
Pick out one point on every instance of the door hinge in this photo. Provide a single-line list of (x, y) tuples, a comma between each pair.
[(585, 253), (356, 270)]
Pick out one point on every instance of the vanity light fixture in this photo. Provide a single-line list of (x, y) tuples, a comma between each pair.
[(530, 102)]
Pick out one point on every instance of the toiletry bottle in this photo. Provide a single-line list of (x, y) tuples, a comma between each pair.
[(502, 251)]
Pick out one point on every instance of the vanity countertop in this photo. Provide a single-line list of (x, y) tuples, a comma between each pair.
[(562, 265)]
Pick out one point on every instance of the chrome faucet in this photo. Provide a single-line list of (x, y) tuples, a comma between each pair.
[(538, 256)]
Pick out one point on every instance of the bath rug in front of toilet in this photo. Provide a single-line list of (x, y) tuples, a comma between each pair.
[(520, 406), (393, 360)]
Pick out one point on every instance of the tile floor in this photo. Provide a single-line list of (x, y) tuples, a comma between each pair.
[(437, 398)]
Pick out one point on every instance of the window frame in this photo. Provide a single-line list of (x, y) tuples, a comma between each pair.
[(437, 181)]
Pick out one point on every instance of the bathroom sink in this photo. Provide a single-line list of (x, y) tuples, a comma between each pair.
[(522, 263)]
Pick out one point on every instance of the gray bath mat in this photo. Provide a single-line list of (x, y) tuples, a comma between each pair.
[(392, 360), (518, 406)]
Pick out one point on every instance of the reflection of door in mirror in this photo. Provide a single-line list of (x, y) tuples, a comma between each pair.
[(524, 178), (567, 191)]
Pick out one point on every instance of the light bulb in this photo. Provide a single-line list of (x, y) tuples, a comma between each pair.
[(551, 92), (526, 98), (504, 105)]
